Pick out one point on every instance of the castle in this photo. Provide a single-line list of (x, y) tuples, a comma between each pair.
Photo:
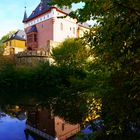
[(45, 25)]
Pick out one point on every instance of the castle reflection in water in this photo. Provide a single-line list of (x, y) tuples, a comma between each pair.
[(42, 124)]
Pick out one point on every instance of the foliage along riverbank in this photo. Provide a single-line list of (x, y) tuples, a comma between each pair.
[(73, 80), (63, 85)]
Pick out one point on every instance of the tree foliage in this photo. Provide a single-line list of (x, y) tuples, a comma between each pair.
[(72, 52), (62, 85), (71, 58), (115, 73), (113, 76)]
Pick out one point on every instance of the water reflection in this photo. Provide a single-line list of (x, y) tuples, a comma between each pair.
[(34, 123), (12, 128)]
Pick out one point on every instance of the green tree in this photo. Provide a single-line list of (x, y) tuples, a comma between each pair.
[(72, 52), (115, 73), (71, 61)]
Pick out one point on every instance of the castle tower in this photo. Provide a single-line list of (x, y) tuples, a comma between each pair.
[(44, 25), (25, 15)]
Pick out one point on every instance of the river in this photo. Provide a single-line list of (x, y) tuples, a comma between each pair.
[(34, 123), (12, 128)]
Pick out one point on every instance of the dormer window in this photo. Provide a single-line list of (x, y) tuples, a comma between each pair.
[(40, 8)]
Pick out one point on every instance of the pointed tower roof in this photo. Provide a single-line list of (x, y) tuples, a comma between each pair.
[(40, 9), (44, 7), (25, 16)]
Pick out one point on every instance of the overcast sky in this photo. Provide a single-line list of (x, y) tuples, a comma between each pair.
[(12, 11)]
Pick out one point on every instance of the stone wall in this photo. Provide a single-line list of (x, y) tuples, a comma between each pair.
[(32, 57), (36, 56)]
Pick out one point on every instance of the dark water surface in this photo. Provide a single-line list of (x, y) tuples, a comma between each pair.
[(33, 122)]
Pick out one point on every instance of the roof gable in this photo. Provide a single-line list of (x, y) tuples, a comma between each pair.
[(19, 35), (40, 9)]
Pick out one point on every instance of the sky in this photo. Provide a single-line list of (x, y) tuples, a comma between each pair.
[(12, 12)]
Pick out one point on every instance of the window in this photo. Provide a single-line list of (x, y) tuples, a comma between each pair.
[(40, 8), (42, 25), (35, 37), (73, 30), (30, 48), (29, 38), (12, 51), (63, 126), (10, 43), (61, 26)]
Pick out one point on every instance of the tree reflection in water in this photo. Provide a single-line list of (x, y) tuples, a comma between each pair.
[(35, 121)]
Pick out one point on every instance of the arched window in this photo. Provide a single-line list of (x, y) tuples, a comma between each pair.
[(61, 26)]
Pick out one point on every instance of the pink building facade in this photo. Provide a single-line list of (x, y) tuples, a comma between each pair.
[(45, 24)]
